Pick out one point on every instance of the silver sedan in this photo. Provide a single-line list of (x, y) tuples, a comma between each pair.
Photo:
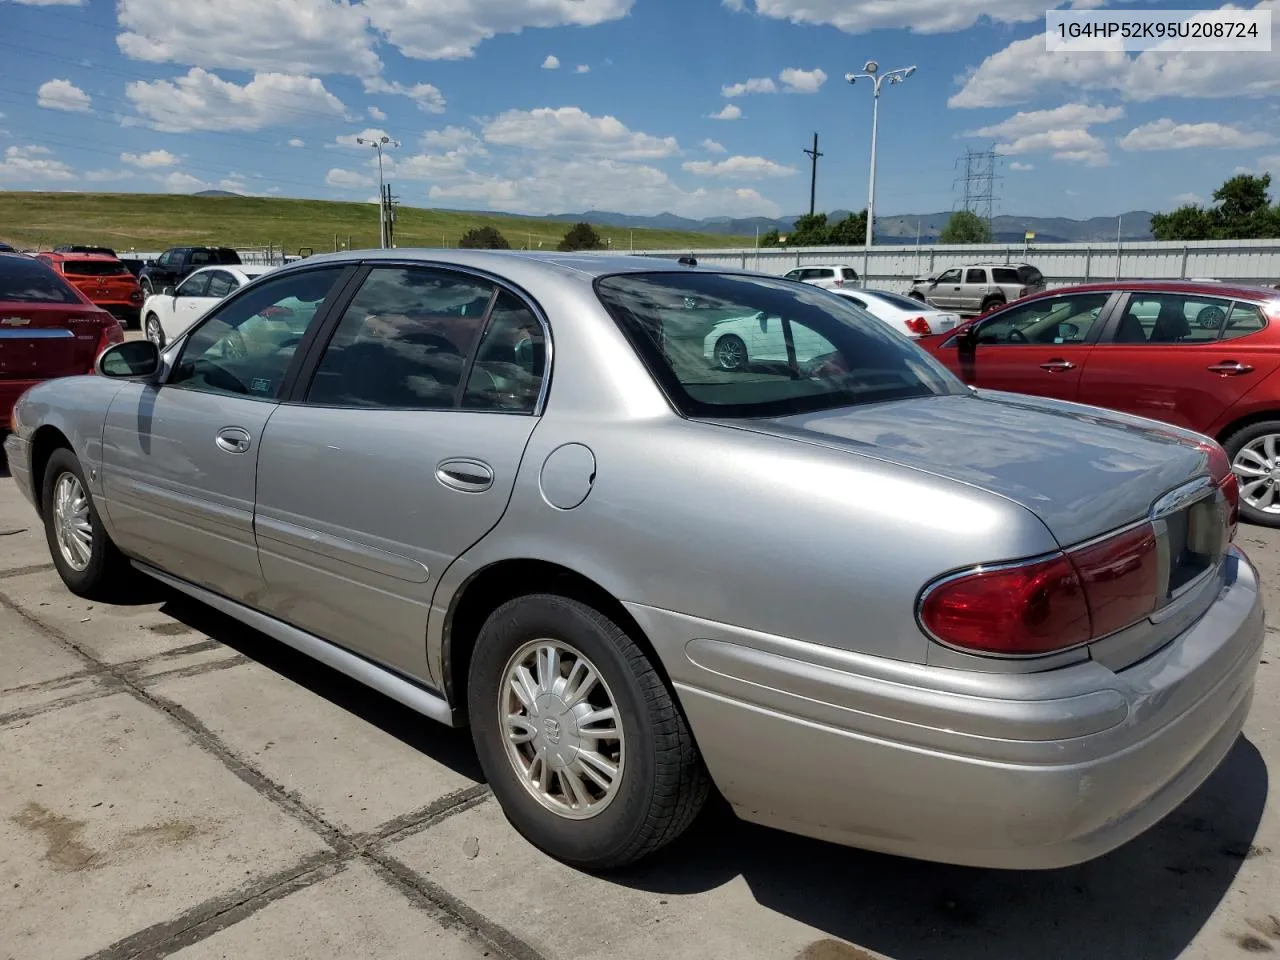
[(861, 600)]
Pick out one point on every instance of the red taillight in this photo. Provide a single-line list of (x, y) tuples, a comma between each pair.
[(135, 296), (919, 326), (1222, 474), (1120, 577), (839, 283)]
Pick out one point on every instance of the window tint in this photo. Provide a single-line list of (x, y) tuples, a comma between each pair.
[(904, 303), (818, 273), (196, 285), (1171, 318), (221, 283), (245, 346), (29, 281), (849, 273), (509, 365), (859, 302), (1030, 276), (950, 276), (1065, 319), (404, 341), (93, 268), (201, 258), (726, 345), (975, 275), (1244, 319), (1004, 275)]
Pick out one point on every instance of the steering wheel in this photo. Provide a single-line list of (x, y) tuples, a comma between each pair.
[(1068, 330), (1017, 336)]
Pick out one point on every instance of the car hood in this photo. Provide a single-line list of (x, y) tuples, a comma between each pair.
[(1083, 471)]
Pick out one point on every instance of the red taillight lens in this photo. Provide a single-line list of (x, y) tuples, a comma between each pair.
[(135, 296), (1222, 474), (839, 283), (919, 326), (1028, 609), (1120, 577)]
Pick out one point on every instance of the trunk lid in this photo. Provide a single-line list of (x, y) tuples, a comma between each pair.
[(102, 281), (40, 341), (1083, 471)]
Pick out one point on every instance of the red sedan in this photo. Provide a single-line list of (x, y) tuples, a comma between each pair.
[(48, 329), (1201, 355)]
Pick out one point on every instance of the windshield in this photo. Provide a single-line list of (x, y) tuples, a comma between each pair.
[(728, 345), (29, 281)]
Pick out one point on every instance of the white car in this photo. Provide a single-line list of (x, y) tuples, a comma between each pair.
[(166, 315), (829, 276), (905, 315), (739, 342)]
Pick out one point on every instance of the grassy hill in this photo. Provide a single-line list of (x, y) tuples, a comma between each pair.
[(149, 222)]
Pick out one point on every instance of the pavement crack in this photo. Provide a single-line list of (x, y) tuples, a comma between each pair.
[(23, 571)]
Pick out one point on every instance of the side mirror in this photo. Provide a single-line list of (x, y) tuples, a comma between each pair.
[(129, 360), (168, 291)]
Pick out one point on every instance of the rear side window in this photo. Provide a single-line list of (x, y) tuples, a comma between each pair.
[(1244, 319), (849, 273), (975, 275), (1030, 276), (817, 273), (29, 281), (1175, 318), (1005, 275), (226, 255), (221, 283)]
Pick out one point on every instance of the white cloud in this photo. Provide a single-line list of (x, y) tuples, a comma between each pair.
[(451, 29), (352, 139), (1025, 69), (153, 158), (582, 68), (711, 146), (179, 182), (802, 81), (429, 166), (203, 101), (1023, 123), (918, 16), (297, 142), (1270, 164), (28, 165), (572, 130), (551, 63), (107, 176), (1183, 199), (739, 168), (1167, 134), (427, 96), (348, 179), (63, 95), (1072, 145), (376, 114), (1018, 165), (730, 111), (754, 85), (451, 136)]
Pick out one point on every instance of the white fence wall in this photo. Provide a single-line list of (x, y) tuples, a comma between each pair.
[(1063, 264)]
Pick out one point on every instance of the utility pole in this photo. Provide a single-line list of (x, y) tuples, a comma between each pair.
[(378, 144), (389, 218), (813, 176)]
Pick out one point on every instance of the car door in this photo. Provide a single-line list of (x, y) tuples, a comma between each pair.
[(180, 454), (945, 291), (398, 455), (973, 290), (1178, 357), (1039, 347), (190, 299)]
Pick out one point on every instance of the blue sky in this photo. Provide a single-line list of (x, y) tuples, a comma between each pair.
[(699, 108)]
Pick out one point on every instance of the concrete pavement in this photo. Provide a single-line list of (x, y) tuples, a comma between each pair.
[(173, 784)]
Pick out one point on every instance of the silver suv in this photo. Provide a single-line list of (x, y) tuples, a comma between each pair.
[(977, 288), (831, 276)]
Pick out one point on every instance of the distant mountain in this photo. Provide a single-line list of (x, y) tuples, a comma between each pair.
[(901, 228), (215, 193)]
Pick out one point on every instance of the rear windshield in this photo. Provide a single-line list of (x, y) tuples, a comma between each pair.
[(906, 303), (1030, 275), (728, 345), (30, 281), (93, 268)]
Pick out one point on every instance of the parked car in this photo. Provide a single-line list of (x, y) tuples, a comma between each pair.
[(81, 248), (978, 287), (6, 248), (48, 328), (172, 267), (1204, 356), (634, 575), (902, 313), (832, 276), (103, 279), (133, 265), (165, 315)]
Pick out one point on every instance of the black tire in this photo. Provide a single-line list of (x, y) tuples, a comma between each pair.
[(107, 573), (663, 783), (992, 303), (918, 297), (147, 289), (1233, 445), (733, 345), (158, 339)]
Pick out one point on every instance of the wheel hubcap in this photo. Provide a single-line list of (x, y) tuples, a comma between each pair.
[(731, 354), (153, 331), (562, 729), (1258, 468), (71, 522)]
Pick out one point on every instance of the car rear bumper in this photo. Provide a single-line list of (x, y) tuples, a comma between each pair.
[(126, 313), (18, 455), (1029, 771)]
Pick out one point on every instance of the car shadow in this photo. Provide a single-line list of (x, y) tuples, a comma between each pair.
[(1145, 901)]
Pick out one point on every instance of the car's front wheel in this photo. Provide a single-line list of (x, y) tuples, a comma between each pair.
[(147, 289), (83, 554), (1255, 458), (731, 352), (578, 735), (155, 333)]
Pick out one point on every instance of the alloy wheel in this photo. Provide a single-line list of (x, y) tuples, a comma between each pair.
[(1257, 466), (72, 525)]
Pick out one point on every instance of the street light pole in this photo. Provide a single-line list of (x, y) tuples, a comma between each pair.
[(378, 144), (871, 72)]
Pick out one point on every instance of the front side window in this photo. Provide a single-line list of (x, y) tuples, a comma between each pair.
[(166, 259), (404, 341), (727, 345), (245, 346), (1171, 318), (196, 285), (949, 276), (1051, 320)]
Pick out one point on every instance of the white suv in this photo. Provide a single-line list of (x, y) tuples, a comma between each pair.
[(830, 276)]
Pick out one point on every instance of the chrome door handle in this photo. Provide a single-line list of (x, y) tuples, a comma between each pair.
[(233, 440), (1230, 368), (1057, 366), (467, 476)]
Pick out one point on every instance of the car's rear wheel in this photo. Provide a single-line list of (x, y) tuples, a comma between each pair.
[(916, 296), (731, 352), (155, 333), (992, 303), (1255, 457), (89, 563), (578, 735)]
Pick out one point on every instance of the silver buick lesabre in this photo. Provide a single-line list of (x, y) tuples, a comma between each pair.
[(524, 492)]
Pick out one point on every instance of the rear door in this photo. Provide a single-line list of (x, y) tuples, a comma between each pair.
[(1040, 347), (974, 289), (1181, 358), (47, 329)]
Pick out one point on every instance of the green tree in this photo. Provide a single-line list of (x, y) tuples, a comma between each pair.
[(810, 231), (849, 232), (1242, 210), (581, 236), (484, 238), (770, 238), (964, 226), (1191, 222)]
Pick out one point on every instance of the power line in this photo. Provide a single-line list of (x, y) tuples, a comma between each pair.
[(978, 182)]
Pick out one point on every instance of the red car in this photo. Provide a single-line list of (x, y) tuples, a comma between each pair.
[(1202, 355), (102, 278), (48, 329)]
